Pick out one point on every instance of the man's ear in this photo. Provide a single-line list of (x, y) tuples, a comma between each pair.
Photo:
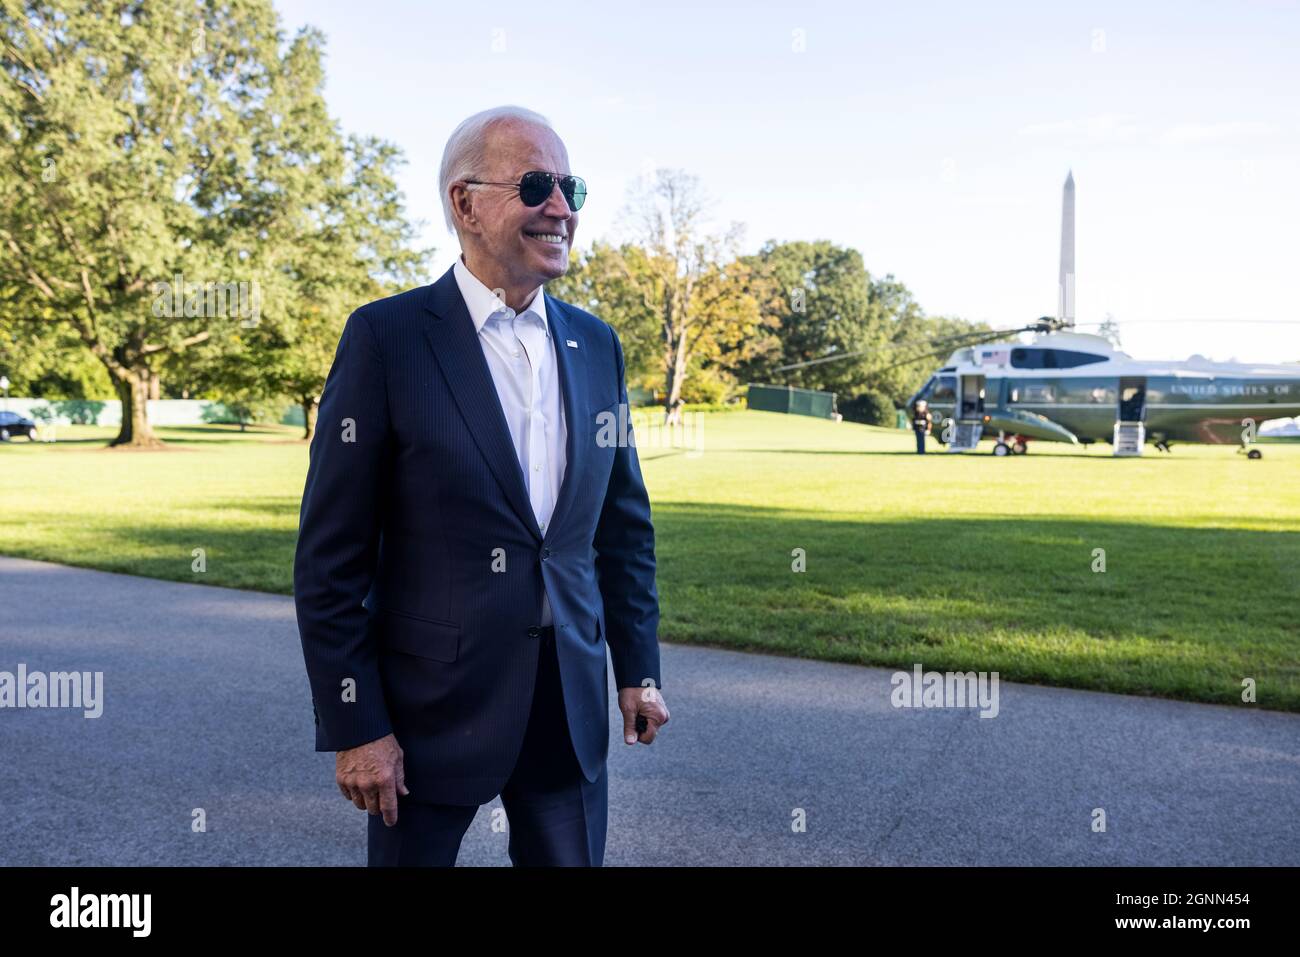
[(462, 207)]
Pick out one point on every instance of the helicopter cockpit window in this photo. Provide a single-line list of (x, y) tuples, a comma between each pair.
[(1051, 358), (942, 388), (1066, 359)]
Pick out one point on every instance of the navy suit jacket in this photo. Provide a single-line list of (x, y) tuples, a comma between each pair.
[(419, 567)]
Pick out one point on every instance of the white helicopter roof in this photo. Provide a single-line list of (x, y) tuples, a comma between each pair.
[(1114, 361), (1079, 342), (999, 353)]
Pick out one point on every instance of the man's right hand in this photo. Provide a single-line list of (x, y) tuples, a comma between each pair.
[(371, 776)]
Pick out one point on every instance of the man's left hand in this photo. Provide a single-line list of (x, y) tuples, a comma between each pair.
[(645, 701)]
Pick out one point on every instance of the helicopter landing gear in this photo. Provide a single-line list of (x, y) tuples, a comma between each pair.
[(1010, 445)]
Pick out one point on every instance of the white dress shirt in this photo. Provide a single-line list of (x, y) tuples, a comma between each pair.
[(521, 357)]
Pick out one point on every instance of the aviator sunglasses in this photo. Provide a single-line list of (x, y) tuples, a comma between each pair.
[(534, 187)]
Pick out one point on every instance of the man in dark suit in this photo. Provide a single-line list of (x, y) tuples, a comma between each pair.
[(474, 533)]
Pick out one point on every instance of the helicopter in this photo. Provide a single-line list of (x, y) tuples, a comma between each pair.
[(1077, 388), (1073, 387), (1067, 386)]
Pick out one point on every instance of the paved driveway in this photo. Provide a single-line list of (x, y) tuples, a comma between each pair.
[(207, 706)]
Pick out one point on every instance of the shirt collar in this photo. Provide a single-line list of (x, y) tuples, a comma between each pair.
[(482, 303)]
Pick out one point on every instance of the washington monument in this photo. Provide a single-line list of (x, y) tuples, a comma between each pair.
[(1065, 293)]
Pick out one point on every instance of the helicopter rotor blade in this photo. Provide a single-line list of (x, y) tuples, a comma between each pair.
[(953, 341), (1128, 322)]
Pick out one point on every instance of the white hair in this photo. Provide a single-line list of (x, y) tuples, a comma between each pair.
[(465, 153)]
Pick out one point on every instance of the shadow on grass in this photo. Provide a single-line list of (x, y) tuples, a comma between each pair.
[(843, 452), (1181, 612), (94, 440), (187, 435), (1178, 612), (1057, 449)]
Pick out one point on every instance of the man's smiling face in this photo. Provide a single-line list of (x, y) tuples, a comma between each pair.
[(522, 246)]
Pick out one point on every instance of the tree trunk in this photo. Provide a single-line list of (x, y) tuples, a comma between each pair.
[(676, 379), (310, 406), (135, 431), (673, 403)]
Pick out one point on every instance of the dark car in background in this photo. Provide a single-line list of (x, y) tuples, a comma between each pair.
[(11, 424)]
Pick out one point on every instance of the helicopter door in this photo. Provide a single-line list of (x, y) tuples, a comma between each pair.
[(971, 400), (996, 394), (1132, 399)]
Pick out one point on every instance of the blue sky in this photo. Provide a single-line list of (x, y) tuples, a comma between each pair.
[(933, 137)]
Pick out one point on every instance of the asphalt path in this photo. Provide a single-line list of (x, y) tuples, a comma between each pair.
[(206, 706)]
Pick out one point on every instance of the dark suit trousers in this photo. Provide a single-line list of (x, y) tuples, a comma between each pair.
[(556, 816)]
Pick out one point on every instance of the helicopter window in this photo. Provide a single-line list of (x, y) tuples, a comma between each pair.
[(1027, 358), (942, 388), (1033, 392), (1051, 358), (1066, 359), (1089, 391)]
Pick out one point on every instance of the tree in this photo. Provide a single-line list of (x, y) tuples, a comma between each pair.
[(613, 282), (692, 280), (46, 359), (850, 333), (918, 343), (351, 244), (818, 299), (869, 408), (362, 250), (156, 165)]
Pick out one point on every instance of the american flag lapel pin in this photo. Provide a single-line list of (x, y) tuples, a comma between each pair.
[(570, 343)]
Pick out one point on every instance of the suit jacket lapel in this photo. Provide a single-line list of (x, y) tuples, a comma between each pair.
[(459, 354), (572, 364)]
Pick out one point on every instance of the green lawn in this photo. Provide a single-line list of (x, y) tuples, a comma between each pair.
[(959, 562)]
